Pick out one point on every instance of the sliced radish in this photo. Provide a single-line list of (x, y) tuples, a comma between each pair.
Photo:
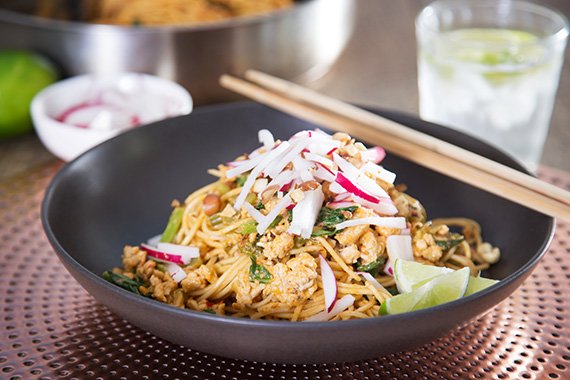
[(375, 154), (323, 174), (349, 186), (153, 241), (379, 172), (266, 159), (266, 138), (341, 204), (253, 212), (368, 277), (305, 213), (174, 253), (245, 165), (276, 210), (389, 222), (358, 178), (275, 168), (340, 306), (176, 272), (399, 247), (330, 287), (320, 159), (389, 268), (384, 207)]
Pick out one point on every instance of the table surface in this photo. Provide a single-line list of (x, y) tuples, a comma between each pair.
[(50, 327), (378, 68)]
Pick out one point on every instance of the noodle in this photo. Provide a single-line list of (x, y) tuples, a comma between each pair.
[(276, 274)]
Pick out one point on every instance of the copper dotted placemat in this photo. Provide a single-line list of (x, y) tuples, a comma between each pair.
[(52, 328)]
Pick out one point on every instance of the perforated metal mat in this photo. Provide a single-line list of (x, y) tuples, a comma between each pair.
[(51, 328)]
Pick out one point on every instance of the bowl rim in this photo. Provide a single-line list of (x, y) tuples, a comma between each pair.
[(272, 324), (26, 19)]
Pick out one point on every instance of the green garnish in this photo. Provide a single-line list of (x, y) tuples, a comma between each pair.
[(251, 226), (248, 227), (210, 311), (372, 267), (258, 272), (132, 285), (241, 180), (329, 217), (449, 241), (260, 206), (173, 225)]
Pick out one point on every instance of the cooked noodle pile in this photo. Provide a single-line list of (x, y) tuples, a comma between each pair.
[(267, 235), (160, 12)]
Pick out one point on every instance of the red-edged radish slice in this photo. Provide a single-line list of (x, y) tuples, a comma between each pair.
[(340, 306), (330, 287), (358, 178), (176, 272), (385, 207), (177, 254), (341, 204), (382, 221), (375, 154), (349, 186)]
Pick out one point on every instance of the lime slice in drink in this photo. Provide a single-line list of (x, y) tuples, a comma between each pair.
[(410, 275), (444, 288), (477, 284)]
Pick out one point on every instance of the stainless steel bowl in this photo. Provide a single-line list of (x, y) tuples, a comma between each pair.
[(297, 43)]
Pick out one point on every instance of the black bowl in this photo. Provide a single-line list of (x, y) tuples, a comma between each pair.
[(119, 193)]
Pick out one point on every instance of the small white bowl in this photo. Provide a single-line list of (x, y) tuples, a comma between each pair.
[(68, 141)]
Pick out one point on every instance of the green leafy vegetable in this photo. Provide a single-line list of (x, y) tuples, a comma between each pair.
[(210, 311), (260, 206), (258, 272), (241, 180), (372, 267), (329, 217), (321, 231), (449, 241), (132, 285), (173, 225)]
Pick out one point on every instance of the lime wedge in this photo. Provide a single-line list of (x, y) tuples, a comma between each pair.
[(410, 275), (446, 287), (478, 283)]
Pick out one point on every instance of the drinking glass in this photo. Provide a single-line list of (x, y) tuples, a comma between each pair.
[(491, 68)]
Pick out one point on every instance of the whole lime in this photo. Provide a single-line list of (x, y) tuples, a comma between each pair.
[(22, 75)]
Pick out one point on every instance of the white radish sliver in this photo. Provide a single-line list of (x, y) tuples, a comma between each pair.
[(340, 306), (245, 165), (253, 212), (359, 178), (176, 272), (296, 148), (266, 138), (368, 277), (399, 247), (269, 218), (267, 158), (305, 213), (379, 172)]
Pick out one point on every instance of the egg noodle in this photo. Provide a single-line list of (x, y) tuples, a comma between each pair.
[(247, 268)]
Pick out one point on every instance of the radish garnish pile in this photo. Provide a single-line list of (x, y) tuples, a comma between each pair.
[(311, 157)]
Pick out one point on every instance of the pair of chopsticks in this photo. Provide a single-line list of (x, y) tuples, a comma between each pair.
[(403, 141)]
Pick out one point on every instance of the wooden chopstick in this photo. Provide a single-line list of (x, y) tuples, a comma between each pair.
[(294, 91), (421, 155)]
